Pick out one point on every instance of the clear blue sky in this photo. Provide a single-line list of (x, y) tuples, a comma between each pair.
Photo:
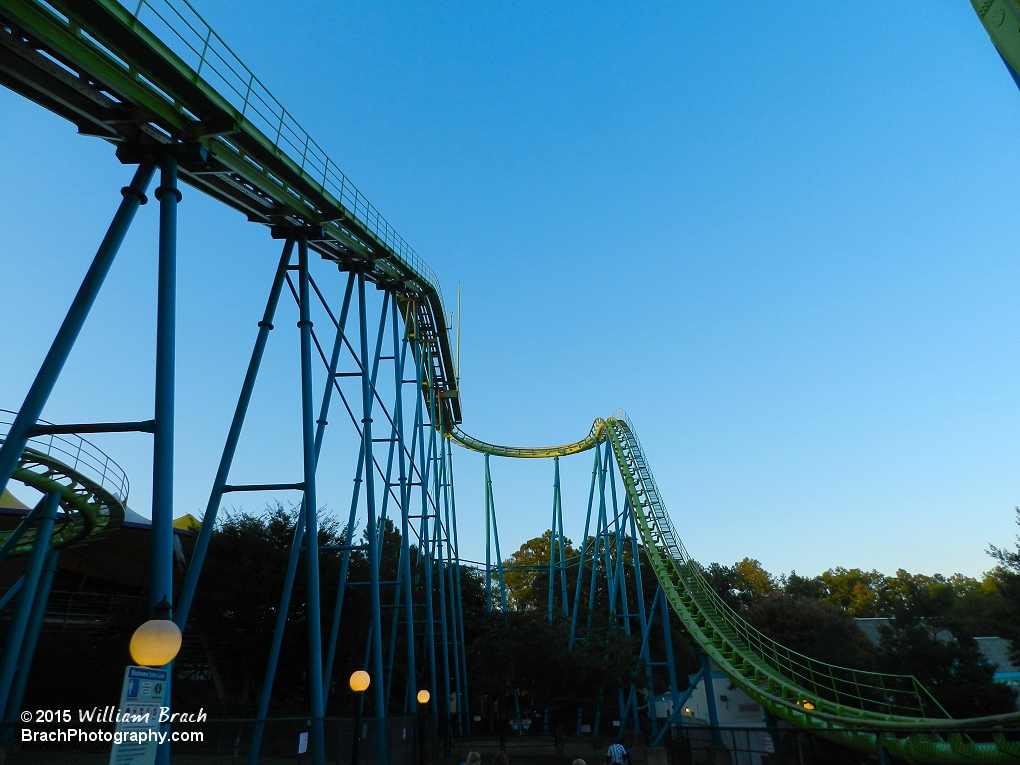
[(784, 239)]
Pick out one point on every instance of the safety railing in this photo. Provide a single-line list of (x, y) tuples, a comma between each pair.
[(183, 30), (870, 692), (77, 455)]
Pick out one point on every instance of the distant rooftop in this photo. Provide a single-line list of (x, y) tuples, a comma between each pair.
[(995, 649)]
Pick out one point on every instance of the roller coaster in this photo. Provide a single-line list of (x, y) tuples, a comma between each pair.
[(156, 81)]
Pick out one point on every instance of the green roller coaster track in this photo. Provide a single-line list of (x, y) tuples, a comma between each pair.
[(154, 73), (850, 706)]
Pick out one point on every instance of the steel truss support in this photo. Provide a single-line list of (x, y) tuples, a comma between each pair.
[(374, 532), (416, 456), (557, 555), (492, 538), (162, 425), (608, 577), (46, 378), (28, 603)]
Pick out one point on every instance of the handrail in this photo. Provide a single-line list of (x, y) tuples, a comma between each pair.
[(77, 454)]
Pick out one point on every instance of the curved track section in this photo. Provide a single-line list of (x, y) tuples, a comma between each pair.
[(596, 435), (845, 704), (94, 488)]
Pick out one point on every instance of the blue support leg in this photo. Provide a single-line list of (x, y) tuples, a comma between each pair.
[(46, 378), (161, 540), (584, 546), (316, 705), (379, 694), (274, 650), (33, 572), (488, 537), (19, 531), (399, 356), (230, 447), (42, 596), (462, 640), (713, 710)]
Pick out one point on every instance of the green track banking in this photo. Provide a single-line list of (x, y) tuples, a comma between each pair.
[(144, 74), (93, 488), (849, 706)]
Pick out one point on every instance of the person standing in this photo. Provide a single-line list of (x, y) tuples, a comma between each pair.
[(616, 755)]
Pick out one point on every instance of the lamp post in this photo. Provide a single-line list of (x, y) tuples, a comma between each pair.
[(156, 642), (423, 699), (359, 682)]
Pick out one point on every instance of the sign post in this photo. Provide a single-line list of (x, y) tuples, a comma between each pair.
[(142, 699)]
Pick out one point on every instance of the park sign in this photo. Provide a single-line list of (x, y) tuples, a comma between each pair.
[(136, 737)]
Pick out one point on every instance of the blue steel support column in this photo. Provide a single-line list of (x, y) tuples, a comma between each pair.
[(645, 619), (316, 706), (425, 537), (379, 694), (42, 596), (488, 538), (459, 591), (345, 560), (19, 531), (233, 436), (713, 711), (400, 352), (552, 539), (161, 540), (674, 688), (489, 541), (295, 550), (491, 517), (33, 572), (46, 378), (580, 566), (563, 553), (454, 605), (440, 562), (274, 651)]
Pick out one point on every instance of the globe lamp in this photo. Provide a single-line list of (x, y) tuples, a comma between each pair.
[(157, 641), (360, 681), (424, 696)]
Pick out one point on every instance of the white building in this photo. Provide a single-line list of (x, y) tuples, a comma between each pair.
[(735, 708)]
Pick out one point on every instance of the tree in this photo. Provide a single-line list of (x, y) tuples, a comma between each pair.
[(953, 670), (526, 573), (523, 652), (814, 628), (742, 584), (854, 590), (1007, 581), (921, 642)]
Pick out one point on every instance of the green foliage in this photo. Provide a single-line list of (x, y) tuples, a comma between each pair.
[(1006, 577), (742, 584), (934, 620), (526, 574), (814, 628), (523, 651), (953, 670)]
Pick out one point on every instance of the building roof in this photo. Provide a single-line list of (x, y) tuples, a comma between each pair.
[(996, 650), (871, 626)]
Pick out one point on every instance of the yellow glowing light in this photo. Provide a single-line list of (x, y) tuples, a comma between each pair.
[(155, 643), (360, 681), (808, 705), (687, 710), (424, 696)]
